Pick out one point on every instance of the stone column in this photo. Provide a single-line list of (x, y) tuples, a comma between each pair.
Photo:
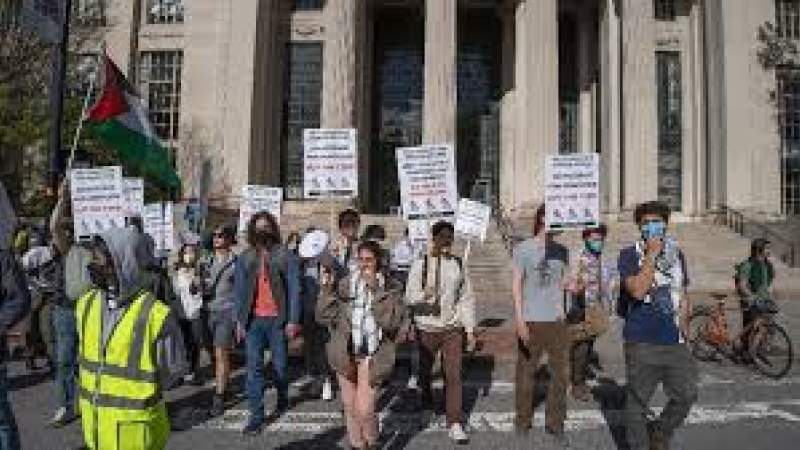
[(439, 111), (640, 152), (699, 101), (340, 93), (610, 109), (586, 39), (536, 95)]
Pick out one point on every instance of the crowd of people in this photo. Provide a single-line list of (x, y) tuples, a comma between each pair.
[(119, 326)]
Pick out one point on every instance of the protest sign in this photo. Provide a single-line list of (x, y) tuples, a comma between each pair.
[(418, 230), (427, 182), (472, 219), (97, 200), (330, 163), (133, 192), (257, 198), (572, 191), (159, 224)]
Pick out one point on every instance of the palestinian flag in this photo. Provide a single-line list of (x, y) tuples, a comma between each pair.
[(119, 119)]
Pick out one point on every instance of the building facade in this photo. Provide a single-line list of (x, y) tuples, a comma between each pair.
[(672, 94)]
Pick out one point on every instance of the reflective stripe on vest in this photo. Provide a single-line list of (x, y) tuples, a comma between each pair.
[(133, 334)]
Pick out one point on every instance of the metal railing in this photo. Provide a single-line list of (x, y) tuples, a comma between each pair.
[(785, 248)]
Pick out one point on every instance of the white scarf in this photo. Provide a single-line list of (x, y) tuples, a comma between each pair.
[(669, 272), (364, 330)]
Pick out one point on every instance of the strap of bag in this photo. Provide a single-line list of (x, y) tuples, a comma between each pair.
[(219, 274)]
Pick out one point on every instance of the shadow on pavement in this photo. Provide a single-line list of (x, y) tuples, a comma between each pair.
[(611, 398), (327, 440)]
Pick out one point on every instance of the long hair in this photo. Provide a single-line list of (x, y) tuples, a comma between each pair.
[(376, 250), (251, 226), (538, 224)]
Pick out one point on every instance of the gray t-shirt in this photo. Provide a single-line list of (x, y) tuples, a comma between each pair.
[(543, 267), (223, 291)]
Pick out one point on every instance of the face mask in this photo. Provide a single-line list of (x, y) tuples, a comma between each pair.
[(595, 246), (655, 230)]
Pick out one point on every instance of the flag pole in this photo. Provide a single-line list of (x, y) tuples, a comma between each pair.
[(82, 118)]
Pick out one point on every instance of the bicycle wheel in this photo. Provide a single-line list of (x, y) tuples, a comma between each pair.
[(700, 325), (771, 350)]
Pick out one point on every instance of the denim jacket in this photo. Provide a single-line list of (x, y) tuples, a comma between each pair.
[(284, 278)]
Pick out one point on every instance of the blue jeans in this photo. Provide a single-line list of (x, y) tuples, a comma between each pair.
[(9, 434), (263, 333), (65, 328)]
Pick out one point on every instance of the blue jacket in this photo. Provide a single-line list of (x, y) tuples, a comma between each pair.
[(15, 300), (285, 280)]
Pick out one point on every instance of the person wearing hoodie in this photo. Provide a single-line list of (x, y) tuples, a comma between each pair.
[(130, 350)]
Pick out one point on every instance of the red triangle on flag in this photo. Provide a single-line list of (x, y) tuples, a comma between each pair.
[(112, 102)]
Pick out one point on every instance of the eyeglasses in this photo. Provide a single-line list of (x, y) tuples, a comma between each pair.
[(218, 235)]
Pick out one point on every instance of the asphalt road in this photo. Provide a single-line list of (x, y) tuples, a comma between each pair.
[(737, 409)]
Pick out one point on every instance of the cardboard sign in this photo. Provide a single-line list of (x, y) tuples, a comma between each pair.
[(257, 198), (133, 192), (330, 163), (159, 224), (473, 218), (427, 182), (572, 191), (97, 200)]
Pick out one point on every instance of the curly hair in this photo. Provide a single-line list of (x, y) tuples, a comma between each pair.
[(251, 226), (376, 250), (601, 229), (440, 226), (658, 208)]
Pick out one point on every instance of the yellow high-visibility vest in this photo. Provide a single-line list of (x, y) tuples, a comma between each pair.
[(120, 396)]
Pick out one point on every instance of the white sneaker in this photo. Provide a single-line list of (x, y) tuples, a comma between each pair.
[(457, 434), (413, 383), (327, 390)]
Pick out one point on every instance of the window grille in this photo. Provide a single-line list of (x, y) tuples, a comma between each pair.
[(787, 18), (789, 122), (160, 86), (665, 10), (164, 11)]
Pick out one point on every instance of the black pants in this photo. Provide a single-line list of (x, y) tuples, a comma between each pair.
[(194, 339), (647, 365)]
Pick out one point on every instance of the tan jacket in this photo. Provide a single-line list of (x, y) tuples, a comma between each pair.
[(334, 311), (456, 300)]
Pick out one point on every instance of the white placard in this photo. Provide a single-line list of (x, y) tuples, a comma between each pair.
[(472, 219), (572, 191), (330, 163), (133, 192), (159, 224), (257, 198), (97, 200), (418, 230), (427, 182)]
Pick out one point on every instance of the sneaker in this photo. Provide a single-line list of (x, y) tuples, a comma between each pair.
[(62, 418), (413, 383), (457, 434), (217, 405), (253, 428), (327, 390)]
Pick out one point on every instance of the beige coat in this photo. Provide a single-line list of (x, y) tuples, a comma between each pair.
[(334, 311)]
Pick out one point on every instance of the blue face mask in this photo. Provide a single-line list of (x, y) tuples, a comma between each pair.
[(655, 229), (595, 246)]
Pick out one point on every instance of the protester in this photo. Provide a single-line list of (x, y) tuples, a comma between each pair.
[(293, 242), (220, 305), (344, 246), (656, 309), (365, 313), (441, 298), (131, 351), (315, 334), (592, 284), (187, 282), (754, 277), (377, 233), (43, 265), (539, 270), (14, 305), (267, 289)]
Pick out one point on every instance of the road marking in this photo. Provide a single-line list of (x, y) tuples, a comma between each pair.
[(577, 420)]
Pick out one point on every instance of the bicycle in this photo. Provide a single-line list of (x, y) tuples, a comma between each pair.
[(768, 348)]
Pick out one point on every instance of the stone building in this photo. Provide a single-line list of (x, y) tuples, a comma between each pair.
[(670, 93)]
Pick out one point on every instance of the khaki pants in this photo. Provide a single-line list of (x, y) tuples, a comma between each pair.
[(450, 343), (551, 338)]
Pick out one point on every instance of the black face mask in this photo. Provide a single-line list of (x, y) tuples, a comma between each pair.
[(101, 277)]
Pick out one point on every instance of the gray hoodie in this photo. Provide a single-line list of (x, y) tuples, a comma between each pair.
[(170, 352)]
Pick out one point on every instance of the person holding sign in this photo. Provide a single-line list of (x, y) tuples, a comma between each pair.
[(539, 269), (440, 296), (366, 315), (592, 283), (266, 285), (344, 246)]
